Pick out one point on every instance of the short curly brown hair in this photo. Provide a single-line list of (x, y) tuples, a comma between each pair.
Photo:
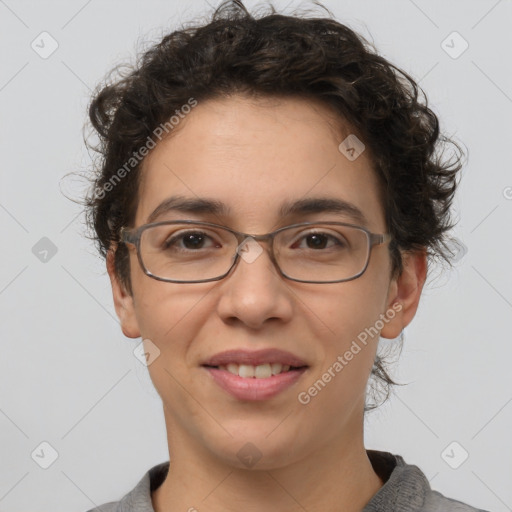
[(278, 55)]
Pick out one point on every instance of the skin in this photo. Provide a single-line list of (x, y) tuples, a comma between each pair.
[(252, 154)]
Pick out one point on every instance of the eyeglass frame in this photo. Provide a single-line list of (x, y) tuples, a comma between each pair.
[(133, 236)]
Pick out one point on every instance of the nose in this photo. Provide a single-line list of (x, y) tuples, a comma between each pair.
[(254, 292)]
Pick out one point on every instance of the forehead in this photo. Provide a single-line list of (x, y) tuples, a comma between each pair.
[(256, 158)]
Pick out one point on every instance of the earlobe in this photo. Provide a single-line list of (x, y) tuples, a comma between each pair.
[(123, 301), (404, 293)]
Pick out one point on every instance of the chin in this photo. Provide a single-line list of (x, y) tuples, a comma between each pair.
[(254, 449)]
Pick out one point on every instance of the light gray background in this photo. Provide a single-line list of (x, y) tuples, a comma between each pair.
[(67, 374)]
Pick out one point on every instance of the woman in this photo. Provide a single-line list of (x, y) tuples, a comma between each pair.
[(268, 203)]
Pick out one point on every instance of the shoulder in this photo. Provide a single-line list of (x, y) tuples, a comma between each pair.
[(436, 502), (139, 498), (407, 489)]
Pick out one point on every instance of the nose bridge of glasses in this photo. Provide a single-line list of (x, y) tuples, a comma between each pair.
[(267, 238), (249, 247)]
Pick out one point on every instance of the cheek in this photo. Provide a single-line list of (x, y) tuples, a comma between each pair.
[(349, 345), (170, 319), (172, 316), (160, 308), (346, 330), (342, 312)]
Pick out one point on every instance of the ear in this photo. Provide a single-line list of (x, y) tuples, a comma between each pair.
[(404, 293), (123, 301)]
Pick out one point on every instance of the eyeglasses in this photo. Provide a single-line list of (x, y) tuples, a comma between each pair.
[(187, 251)]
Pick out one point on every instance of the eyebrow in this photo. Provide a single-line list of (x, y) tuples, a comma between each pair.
[(200, 205)]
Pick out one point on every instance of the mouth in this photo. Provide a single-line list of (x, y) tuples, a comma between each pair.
[(261, 371), (255, 375), (255, 358)]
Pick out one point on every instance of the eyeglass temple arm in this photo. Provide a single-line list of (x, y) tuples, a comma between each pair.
[(126, 236), (377, 239)]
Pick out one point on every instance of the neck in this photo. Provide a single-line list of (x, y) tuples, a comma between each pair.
[(336, 477)]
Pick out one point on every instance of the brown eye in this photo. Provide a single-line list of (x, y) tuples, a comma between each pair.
[(190, 240)]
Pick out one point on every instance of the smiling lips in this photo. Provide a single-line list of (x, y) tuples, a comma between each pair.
[(255, 375), (255, 358), (262, 371)]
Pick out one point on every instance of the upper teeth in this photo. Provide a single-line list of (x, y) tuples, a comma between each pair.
[(262, 371)]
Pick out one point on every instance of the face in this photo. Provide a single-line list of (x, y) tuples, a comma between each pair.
[(253, 156)]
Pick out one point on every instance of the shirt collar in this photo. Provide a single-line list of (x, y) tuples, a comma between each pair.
[(405, 486)]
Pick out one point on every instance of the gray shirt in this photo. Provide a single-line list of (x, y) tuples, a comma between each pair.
[(406, 489)]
